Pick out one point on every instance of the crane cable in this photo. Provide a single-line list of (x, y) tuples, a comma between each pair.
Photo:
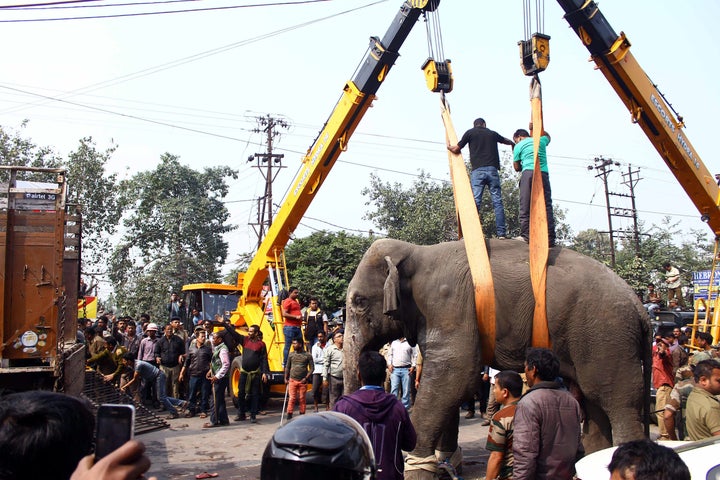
[(535, 55)]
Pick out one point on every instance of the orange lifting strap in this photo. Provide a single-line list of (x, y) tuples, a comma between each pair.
[(470, 228), (538, 226)]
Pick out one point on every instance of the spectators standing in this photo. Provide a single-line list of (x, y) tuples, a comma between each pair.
[(402, 362), (663, 378), (546, 436), (173, 307), (131, 340), (218, 377), (524, 162), (674, 284), (674, 413), (146, 353), (151, 374), (292, 318), (178, 329), (94, 341), (507, 387), (196, 367), (253, 370), (381, 415), (703, 340), (333, 369), (196, 316), (314, 320), (652, 300), (320, 394), (485, 162), (169, 355), (703, 406), (298, 371), (492, 403)]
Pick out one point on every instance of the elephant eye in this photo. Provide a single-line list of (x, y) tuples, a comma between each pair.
[(360, 301)]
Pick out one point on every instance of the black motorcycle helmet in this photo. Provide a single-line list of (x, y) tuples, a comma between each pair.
[(328, 445)]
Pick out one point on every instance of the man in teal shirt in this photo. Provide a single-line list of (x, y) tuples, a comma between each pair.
[(524, 161)]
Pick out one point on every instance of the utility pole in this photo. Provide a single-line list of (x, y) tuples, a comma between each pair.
[(604, 168), (631, 181), (269, 164)]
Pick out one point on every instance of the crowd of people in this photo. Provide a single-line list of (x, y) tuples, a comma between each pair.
[(535, 422)]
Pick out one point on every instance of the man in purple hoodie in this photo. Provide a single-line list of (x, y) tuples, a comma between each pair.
[(381, 414)]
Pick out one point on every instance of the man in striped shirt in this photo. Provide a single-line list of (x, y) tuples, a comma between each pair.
[(507, 389)]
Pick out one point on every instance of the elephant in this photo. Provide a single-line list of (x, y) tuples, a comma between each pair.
[(598, 329)]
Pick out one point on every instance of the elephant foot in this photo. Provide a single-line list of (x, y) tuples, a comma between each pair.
[(452, 459), (421, 468)]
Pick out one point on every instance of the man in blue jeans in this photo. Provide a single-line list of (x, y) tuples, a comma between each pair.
[(292, 318), (143, 371), (485, 162), (402, 359)]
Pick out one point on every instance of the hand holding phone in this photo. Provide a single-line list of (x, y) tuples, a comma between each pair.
[(114, 427)]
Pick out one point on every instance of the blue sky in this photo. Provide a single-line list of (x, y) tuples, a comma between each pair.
[(292, 61)]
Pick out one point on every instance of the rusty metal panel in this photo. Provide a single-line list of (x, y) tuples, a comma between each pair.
[(32, 285)]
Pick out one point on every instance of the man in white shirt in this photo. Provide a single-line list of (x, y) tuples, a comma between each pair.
[(401, 363)]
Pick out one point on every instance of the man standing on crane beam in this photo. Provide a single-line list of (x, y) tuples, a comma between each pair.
[(485, 162)]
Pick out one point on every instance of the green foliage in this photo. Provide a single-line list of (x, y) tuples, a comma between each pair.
[(173, 234), (688, 251), (425, 214), (18, 151), (422, 214), (96, 192), (323, 264)]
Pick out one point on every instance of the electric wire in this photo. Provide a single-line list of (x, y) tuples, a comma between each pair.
[(205, 54), (164, 12)]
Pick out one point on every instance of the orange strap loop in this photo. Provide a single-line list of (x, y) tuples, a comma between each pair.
[(470, 227), (538, 226)]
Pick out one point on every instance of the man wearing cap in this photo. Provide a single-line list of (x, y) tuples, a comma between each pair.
[(663, 379), (146, 353)]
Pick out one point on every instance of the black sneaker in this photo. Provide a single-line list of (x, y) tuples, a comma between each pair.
[(288, 416), (253, 419), (240, 418)]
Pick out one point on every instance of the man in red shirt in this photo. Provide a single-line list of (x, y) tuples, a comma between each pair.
[(662, 376), (292, 317)]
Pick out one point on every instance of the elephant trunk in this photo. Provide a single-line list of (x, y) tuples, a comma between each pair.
[(352, 347)]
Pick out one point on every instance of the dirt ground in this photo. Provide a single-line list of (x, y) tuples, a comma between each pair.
[(235, 451)]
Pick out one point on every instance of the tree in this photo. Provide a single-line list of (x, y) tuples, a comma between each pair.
[(18, 151), (422, 214), (173, 234), (96, 192), (592, 243), (323, 264), (425, 214)]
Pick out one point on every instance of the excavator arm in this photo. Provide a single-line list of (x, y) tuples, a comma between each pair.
[(611, 53)]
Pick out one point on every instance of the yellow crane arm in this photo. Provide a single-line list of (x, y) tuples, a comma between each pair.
[(611, 53), (356, 98)]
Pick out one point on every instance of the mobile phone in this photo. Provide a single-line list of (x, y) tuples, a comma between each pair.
[(115, 425)]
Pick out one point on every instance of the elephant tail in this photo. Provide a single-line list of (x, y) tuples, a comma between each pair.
[(646, 352)]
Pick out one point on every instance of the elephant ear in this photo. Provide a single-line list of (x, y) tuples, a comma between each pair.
[(391, 290)]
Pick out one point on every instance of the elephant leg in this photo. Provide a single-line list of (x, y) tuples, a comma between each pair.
[(597, 431), (448, 448), (436, 417)]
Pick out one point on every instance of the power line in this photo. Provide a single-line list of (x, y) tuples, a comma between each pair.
[(205, 54), (165, 12), (69, 4)]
